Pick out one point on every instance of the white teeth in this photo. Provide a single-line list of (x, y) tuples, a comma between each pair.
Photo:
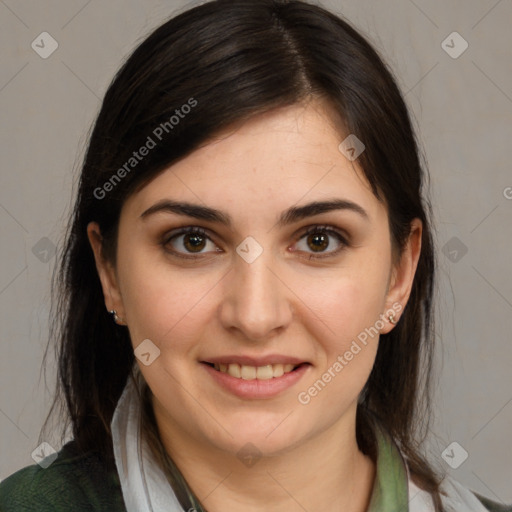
[(234, 370), (278, 370), (245, 372), (264, 372), (248, 372)]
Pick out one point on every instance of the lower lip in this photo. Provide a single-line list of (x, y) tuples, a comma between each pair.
[(255, 388)]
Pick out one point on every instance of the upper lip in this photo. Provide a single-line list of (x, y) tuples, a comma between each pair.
[(254, 361)]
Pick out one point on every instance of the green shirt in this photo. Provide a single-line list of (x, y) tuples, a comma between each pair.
[(77, 482)]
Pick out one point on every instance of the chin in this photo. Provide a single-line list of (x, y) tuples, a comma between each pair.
[(269, 438)]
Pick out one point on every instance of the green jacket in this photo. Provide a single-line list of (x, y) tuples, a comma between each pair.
[(76, 483)]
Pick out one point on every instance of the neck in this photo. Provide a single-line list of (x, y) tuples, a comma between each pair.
[(333, 474)]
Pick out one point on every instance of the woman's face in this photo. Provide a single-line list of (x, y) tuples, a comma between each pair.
[(248, 286)]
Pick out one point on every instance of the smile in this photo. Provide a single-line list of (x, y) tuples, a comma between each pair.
[(255, 382), (246, 372)]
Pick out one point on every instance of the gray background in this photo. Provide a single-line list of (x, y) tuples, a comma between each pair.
[(462, 106)]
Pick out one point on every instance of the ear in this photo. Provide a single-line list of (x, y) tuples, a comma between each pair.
[(402, 276), (106, 272)]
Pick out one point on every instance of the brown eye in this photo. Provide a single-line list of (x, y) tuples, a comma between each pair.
[(194, 243), (318, 239), (190, 240), (318, 242)]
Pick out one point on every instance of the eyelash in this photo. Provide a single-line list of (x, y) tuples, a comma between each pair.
[(330, 230)]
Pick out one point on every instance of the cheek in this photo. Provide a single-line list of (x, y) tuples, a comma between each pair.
[(351, 310), (346, 304), (161, 304), (350, 305)]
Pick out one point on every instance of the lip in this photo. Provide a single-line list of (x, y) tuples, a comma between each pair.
[(254, 388), (255, 361)]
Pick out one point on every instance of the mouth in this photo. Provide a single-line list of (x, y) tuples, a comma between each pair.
[(248, 372), (256, 378)]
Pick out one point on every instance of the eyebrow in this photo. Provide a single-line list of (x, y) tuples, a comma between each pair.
[(289, 216)]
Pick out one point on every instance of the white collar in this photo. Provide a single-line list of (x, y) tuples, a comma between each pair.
[(144, 485)]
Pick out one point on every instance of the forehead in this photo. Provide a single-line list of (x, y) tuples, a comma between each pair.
[(287, 156)]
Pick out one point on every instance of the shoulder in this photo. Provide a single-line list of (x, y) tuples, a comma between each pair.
[(72, 481), (457, 498), (493, 506)]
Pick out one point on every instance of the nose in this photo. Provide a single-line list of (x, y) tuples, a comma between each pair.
[(256, 302)]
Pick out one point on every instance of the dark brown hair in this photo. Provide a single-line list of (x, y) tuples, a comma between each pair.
[(234, 59)]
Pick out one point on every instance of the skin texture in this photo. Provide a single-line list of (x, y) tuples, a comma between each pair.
[(282, 303)]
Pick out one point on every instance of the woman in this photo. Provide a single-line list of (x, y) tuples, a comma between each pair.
[(247, 282)]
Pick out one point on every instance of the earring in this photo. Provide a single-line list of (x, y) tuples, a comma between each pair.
[(391, 318), (116, 318)]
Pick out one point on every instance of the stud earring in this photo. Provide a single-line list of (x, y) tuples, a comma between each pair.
[(116, 318), (391, 318)]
